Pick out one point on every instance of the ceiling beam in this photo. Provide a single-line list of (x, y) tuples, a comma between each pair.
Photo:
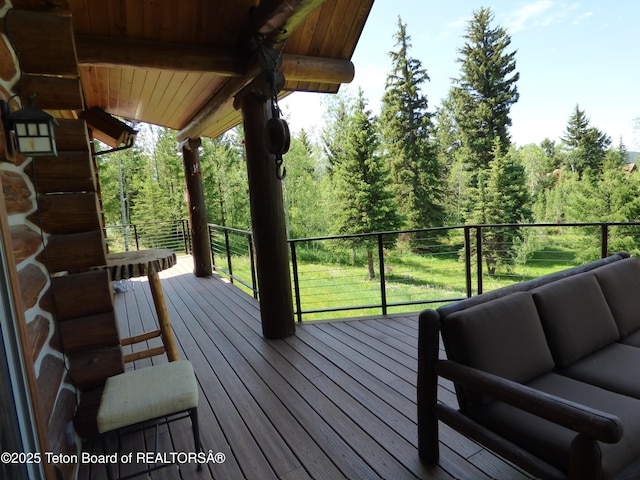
[(115, 52), (274, 20), (120, 52)]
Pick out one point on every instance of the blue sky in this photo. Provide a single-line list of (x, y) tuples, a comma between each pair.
[(568, 53)]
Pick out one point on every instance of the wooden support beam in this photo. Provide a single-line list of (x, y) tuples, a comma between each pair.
[(200, 243), (268, 222), (98, 51), (95, 51), (276, 19), (301, 68), (223, 97)]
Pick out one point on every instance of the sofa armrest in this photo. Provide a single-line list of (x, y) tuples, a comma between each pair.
[(574, 416)]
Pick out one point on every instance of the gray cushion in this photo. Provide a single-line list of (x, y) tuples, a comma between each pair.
[(575, 317), (551, 442), (614, 367), (620, 283), (503, 337), (632, 339)]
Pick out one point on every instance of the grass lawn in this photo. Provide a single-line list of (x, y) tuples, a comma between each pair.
[(339, 279)]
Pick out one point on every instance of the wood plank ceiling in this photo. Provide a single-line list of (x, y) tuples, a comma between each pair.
[(178, 64)]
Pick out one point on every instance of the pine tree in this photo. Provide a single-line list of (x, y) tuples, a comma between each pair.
[(363, 202), (486, 89), (502, 199), (406, 127), (587, 145)]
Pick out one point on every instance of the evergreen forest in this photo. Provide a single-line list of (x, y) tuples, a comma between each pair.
[(410, 167)]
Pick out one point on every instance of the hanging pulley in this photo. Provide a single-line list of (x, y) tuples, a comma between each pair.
[(278, 139), (278, 136)]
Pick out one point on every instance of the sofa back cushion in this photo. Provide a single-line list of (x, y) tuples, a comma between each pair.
[(620, 284), (575, 317), (503, 336)]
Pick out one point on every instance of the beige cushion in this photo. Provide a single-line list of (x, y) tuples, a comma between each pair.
[(139, 395)]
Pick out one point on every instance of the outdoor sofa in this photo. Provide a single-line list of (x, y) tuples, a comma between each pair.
[(546, 372)]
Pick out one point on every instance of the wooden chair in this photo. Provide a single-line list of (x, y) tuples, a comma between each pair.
[(159, 394)]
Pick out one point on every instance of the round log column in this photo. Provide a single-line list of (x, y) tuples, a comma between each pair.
[(268, 222), (200, 244)]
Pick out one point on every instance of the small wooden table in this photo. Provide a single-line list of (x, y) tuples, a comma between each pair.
[(137, 264)]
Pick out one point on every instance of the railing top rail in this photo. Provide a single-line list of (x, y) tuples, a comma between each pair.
[(457, 227), (230, 229)]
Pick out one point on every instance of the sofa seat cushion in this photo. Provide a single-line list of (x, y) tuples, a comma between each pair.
[(614, 368), (503, 337), (632, 339), (620, 283), (575, 317), (551, 442)]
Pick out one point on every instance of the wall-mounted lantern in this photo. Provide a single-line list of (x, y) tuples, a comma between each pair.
[(29, 130)]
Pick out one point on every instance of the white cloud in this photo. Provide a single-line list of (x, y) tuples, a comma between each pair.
[(582, 17), (519, 19)]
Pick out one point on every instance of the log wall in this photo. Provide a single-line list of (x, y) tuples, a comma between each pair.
[(54, 226)]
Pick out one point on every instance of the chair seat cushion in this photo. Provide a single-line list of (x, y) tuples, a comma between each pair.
[(632, 339), (613, 368), (139, 395), (551, 442)]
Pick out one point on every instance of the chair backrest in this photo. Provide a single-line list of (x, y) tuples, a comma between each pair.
[(503, 336), (620, 284), (576, 317)]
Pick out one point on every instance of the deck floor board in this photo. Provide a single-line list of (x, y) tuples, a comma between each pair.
[(336, 400)]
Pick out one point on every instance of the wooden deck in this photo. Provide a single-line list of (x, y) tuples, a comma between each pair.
[(337, 400)]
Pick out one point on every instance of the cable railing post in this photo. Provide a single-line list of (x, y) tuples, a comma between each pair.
[(467, 259), (211, 245), (604, 240), (228, 248), (296, 280), (184, 236), (383, 287), (479, 255), (252, 265), (135, 235)]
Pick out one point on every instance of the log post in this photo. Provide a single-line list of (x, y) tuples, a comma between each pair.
[(200, 244), (268, 221)]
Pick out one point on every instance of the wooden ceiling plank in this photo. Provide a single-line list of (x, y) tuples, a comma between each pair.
[(357, 23), (135, 19), (98, 17), (117, 18), (145, 97), (300, 40), (323, 27), (59, 7), (151, 16)]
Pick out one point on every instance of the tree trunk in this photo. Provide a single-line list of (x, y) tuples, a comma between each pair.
[(372, 270)]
